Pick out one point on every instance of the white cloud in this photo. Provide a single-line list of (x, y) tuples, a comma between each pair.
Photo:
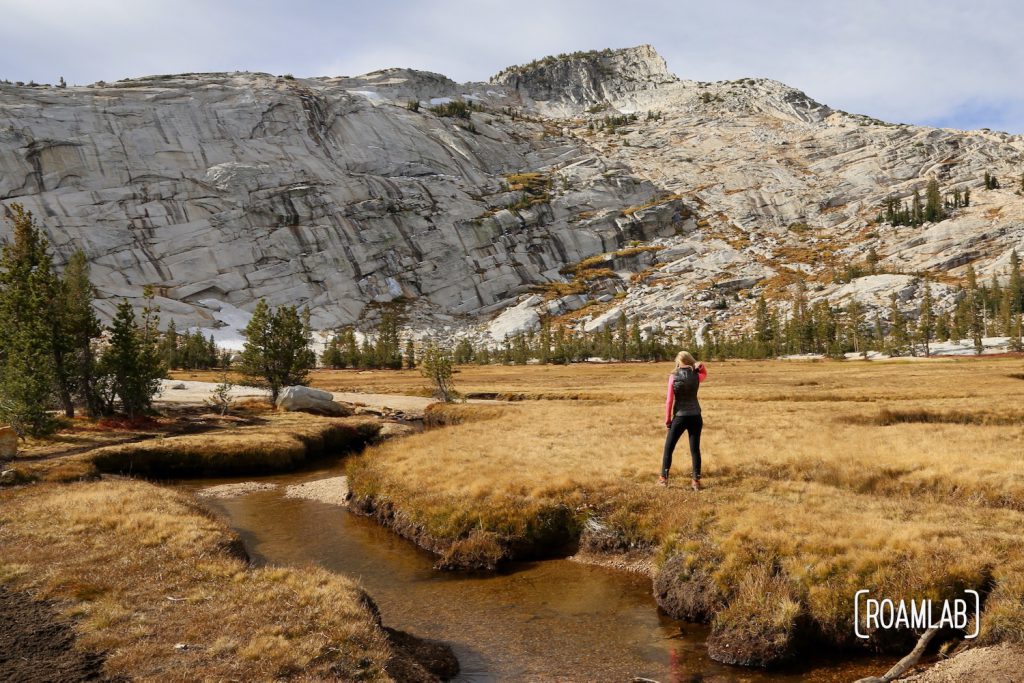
[(902, 60)]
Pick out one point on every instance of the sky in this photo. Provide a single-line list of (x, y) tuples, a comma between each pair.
[(954, 64)]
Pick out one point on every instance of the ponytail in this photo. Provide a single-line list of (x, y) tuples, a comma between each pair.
[(685, 359)]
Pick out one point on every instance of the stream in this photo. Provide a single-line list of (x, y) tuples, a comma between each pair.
[(554, 620)]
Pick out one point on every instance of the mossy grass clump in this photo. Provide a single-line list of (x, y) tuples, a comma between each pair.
[(281, 443)]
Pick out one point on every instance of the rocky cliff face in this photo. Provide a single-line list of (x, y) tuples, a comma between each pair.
[(460, 200), (219, 189)]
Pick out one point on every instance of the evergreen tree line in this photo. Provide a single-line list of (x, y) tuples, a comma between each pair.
[(981, 310), (191, 350), (622, 341), (382, 349), (612, 121), (550, 344), (50, 356)]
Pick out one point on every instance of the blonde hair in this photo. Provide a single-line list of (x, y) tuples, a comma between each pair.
[(685, 358)]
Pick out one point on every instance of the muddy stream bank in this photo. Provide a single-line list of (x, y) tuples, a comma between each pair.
[(542, 621)]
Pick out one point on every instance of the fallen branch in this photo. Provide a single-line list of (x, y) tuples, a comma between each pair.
[(904, 664)]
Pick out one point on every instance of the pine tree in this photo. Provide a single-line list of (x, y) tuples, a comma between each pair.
[(933, 211), (81, 328), (133, 362), (916, 210), (350, 348), (1016, 339), (28, 289), (212, 354), (976, 320), (367, 357), (803, 320), (879, 336), (169, 346), (622, 350), (897, 328), (1005, 313), (277, 352), (388, 347), (607, 344), (762, 324), (926, 319), (942, 327), (543, 353), (855, 323), (333, 357), (464, 352), (1016, 287), (872, 260), (436, 365), (971, 278)]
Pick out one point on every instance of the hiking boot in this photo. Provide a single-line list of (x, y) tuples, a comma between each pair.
[(695, 484), (662, 480)]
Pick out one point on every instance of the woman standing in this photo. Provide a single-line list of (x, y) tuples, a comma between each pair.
[(682, 413)]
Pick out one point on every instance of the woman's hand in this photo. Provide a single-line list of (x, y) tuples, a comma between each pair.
[(699, 365)]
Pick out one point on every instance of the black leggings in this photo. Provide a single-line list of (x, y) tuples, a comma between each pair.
[(683, 423)]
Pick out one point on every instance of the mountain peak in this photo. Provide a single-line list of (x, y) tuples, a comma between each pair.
[(576, 80)]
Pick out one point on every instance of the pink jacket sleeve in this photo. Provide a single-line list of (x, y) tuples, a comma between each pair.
[(668, 400), (702, 373)]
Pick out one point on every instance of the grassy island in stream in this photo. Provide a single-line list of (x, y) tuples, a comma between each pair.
[(822, 478), (180, 445), (164, 592)]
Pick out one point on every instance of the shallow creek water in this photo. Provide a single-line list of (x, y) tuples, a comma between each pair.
[(555, 620)]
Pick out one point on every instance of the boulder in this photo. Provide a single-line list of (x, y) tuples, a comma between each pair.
[(8, 442), (307, 400)]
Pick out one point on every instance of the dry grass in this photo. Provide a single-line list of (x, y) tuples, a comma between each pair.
[(612, 382), (822, 478), (182, 582)]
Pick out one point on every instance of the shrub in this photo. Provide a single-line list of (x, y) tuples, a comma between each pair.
[(456, 109)]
